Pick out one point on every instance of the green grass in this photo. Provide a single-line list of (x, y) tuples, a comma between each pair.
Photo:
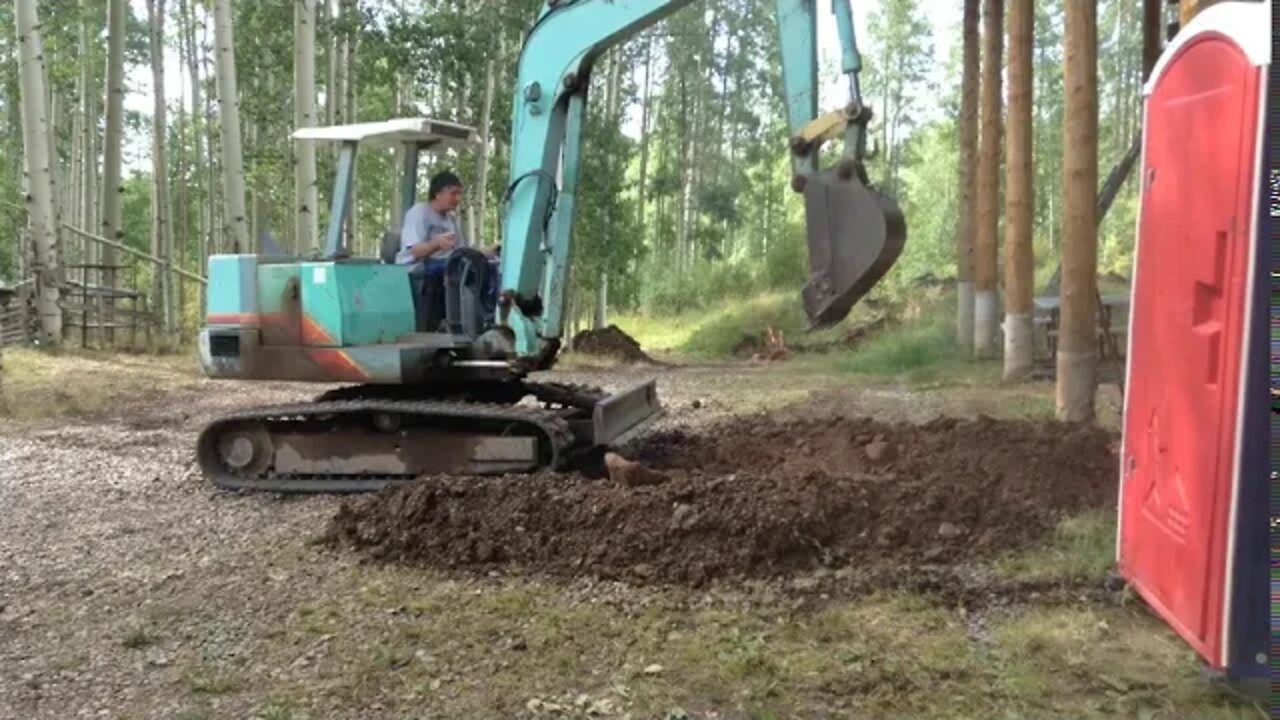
[(75, 383), (715, 334), (918, 350), (429, 645), (1082, 548), (211, 682), (139, 638)]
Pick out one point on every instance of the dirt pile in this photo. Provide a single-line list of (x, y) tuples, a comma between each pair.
[(756, 497), (611, 342)]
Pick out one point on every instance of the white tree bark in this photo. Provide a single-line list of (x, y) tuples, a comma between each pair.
[(350, 108), (332, 92), (188, 36), (486, 120), (112, 222), (39, 167), (215, 241), (56, 173), (71, 192), (87, 207), (235, 217), (161, 233), (304, 80), (600, 318), (186, 43), (645, 103)]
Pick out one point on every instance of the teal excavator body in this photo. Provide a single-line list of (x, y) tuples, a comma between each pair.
[(431, 380)]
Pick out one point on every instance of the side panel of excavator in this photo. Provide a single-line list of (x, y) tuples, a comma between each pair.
[(309, 321)]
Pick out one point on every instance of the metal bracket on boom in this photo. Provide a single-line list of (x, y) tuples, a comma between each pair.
[(828, 127)]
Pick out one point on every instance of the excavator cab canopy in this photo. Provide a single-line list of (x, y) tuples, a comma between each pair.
[(414, 135)]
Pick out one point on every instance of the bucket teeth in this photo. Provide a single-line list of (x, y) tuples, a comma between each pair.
[(855, 235)]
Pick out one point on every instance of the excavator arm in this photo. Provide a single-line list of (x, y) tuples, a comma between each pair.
[(854, 233)]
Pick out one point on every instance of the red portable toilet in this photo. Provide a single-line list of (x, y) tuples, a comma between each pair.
[(1193, 530)]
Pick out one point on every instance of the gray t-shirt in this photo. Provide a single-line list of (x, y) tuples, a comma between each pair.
[(421, 224)]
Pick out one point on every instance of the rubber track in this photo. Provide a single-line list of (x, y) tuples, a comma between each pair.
[(554, 429)]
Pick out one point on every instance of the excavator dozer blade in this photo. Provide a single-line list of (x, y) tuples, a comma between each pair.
[(855, 235)]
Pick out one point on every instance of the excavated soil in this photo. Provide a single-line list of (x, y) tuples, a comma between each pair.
[(611, 342), (756, 497)]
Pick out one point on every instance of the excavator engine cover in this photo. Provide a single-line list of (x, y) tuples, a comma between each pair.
[(855, 234)]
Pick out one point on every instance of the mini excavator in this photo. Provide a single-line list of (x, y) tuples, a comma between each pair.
[(432, 382)]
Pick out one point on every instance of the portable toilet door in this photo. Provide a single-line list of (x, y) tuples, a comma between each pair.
[(1193, 528)]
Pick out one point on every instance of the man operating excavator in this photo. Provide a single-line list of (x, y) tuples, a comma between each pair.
[(430, 233)]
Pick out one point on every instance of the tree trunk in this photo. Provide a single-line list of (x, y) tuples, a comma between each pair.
[(54, 110), (80, 126), (1188, 9), (304, 80), (252, 177), (600, 318), (161, 238), (88, 137), (181, 225), (71, 193), (395, 216), (986, 249), (199, 167), (1152, 16), (39, 166), (215, 240), (1077, 347), (112, 213), (968, 197), (1019, 268), (235, 217), (601, 315), (646, 99), (347, 113), (486, 132), (331, 59)]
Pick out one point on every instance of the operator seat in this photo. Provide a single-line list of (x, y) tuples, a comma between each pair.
[(390, 247), (428, 293)]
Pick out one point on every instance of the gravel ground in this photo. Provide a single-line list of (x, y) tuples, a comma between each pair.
[(130, 588), (124, 577)]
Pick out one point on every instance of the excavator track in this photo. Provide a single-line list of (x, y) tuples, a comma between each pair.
[(291, 448)]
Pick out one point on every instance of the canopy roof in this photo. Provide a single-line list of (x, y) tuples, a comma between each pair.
[(424, 131)]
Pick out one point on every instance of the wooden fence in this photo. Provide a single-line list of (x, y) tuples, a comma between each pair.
[(93, 313), (13, 319)]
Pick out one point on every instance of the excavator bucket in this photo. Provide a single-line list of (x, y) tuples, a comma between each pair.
[(855, 234)]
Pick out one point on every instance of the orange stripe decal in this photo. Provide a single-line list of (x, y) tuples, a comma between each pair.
[(314, 334), (338, 364), (233, 319)]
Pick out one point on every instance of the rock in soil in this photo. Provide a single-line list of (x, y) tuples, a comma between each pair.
[(784, 512), (631, 473)]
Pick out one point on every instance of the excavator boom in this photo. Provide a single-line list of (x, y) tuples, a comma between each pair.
[(854, 232)]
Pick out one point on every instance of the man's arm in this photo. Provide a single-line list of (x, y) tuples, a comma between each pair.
[(415, 243), (430, 247)]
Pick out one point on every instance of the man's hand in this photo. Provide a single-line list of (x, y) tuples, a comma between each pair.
[(444, 241)]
